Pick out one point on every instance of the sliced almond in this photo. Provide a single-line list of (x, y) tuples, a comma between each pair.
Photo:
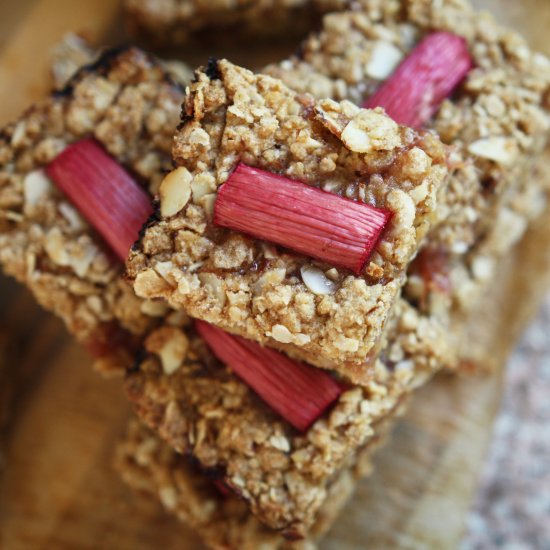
[(280, 442), (385, 58), (281, 334), (149, 283), (170, 345), (498, 149), (175, 191), (371, 130), (36, 186), (317, 281), (56, 247), (71, 214), (153, 308)]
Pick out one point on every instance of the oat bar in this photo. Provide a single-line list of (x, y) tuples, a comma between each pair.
[(129, 105), (202, 409), (261, 291), (223, 521), (498, 121), (175, 22)]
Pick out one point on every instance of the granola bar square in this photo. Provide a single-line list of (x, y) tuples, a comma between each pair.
[(251, 287)]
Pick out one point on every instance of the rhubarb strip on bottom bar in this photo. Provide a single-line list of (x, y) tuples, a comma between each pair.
[(317, 311), (129, 105), (150, 466)]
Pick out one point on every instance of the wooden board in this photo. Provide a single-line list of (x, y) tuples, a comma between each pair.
[(59, 490)]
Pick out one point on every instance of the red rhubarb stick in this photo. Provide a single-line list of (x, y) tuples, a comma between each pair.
[(103, 192), (424, 79), (305, 219), (298, 392)]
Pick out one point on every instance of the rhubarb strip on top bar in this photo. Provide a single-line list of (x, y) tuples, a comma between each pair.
[(129, 105), (318, 311)]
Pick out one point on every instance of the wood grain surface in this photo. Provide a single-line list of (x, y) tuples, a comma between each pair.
[(58, 489)]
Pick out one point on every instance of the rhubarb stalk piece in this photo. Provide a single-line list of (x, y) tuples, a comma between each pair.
[(424, 79), (298, 392), (306, 219), (104, 193)]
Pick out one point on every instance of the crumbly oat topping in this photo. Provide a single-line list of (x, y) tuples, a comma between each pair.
[(150, 466), (359, 154), (130, 106)]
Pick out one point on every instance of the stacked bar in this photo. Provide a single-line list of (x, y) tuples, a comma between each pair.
[(189, 258), (48, 244), (45, 249)]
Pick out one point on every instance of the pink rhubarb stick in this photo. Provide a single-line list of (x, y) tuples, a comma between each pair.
[(103, 192), (297, 216), (298, 392), (424, 79)]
